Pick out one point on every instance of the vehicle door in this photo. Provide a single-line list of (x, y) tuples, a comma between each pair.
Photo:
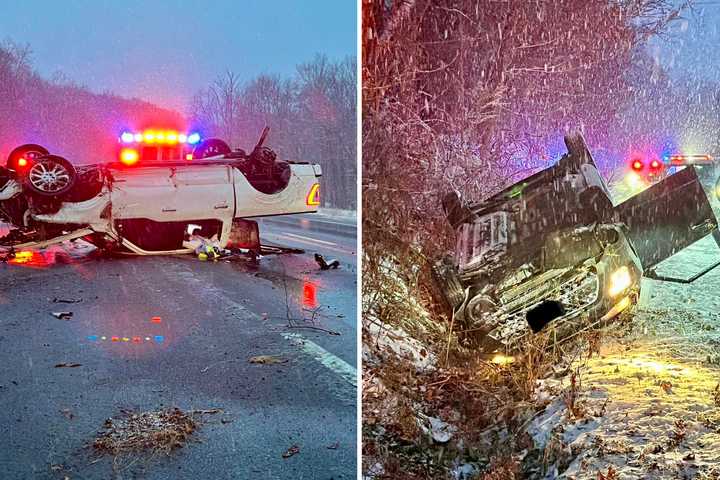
[(667, 217)]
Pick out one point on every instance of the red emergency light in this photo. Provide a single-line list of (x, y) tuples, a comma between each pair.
[(637, 165)]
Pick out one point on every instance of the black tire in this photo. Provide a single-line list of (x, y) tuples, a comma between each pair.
[(211, 147), (29, 151), (50, 176)]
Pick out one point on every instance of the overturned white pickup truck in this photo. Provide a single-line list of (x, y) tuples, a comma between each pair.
[(162, 184)]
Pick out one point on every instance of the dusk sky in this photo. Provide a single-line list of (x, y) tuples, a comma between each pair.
[(164, 50)]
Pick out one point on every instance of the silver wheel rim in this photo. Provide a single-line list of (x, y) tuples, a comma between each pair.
[(49, 176)]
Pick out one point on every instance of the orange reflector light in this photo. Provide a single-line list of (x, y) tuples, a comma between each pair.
[(313, 198), (188, 156), (128, 156), (22, 162), (156, 319)]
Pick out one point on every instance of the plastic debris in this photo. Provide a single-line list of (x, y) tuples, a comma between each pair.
[(62, 315), (206, 248), (324, 264)]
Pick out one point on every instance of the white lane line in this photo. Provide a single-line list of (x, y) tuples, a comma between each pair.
[(334, 363), (346, 371), (308, 239)]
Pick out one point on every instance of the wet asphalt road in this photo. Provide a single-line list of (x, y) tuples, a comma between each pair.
[(212, 318)]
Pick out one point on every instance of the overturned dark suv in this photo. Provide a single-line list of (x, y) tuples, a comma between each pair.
[(552, 252)]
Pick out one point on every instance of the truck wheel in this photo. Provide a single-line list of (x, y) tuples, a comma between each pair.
[(50, 176), (211, 147), (29, 152)]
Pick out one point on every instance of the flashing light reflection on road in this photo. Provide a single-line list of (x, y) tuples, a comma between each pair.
[(310, 295)]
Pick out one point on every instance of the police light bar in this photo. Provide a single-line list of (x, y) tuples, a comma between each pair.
[(695, 159), (167, 137)]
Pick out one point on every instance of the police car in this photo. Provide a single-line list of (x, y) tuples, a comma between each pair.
[(163, 184)]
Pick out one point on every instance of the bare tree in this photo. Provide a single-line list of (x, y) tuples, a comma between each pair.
[(312, 118)]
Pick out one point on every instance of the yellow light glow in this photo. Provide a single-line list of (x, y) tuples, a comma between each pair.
[(500, 359), (128, 156), (620, 280), (617, 309), (634, 181), (23, 257)]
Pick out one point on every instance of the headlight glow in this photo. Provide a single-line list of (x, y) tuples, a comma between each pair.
[(634, 181), (620, 280)]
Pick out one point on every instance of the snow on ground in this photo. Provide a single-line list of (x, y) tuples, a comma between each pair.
[(648, 407), (386, 339), (641, 413)]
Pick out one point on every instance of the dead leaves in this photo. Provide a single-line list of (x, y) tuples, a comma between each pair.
[(267, 359), (610, 475), (666, 386)]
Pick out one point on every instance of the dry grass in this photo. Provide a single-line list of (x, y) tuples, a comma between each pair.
[(147, 433)]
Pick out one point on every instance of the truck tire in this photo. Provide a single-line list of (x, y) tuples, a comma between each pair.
[(50, 176), (211, 147), (28, 151)]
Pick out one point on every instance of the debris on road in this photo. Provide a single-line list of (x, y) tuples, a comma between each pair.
[(206, 248), (291, 451), (68, 365), (150, 432), (267, 359), (66, 300), (324, 264), (441, 432), (62, 315), (67, 413), (333, 446)]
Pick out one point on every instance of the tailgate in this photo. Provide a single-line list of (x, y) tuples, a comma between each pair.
[(667, 217)]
